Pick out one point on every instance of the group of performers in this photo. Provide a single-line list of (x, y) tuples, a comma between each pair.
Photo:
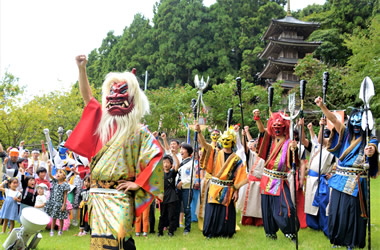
[(127, 172)]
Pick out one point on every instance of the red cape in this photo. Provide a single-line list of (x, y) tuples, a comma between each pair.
[(83, 139)]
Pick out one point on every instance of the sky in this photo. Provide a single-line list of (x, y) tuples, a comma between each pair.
[(39, 39)]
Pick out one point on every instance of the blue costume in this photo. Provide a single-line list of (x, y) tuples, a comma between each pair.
[(348, 203), (316, 200)]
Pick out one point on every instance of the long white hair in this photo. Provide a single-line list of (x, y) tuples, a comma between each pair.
[(126, 125)]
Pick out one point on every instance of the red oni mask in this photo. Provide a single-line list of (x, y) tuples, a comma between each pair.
[(278, 127), (117, 101)]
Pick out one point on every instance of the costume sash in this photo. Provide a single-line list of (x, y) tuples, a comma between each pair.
[(323, 187)]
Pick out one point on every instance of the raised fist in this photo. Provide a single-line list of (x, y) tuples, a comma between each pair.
[(236, 128), (256, 114), (68, 132), (310, 126), (155, 134), (318, 101), (369, 151), (81, 61)]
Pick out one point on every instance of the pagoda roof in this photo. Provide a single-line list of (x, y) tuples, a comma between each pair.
[(278, 25), (274, 46), (276, 65), (289, 84)]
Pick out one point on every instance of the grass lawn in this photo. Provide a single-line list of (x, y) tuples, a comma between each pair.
[(247, 238)]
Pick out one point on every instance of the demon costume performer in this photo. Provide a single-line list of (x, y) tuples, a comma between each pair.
[(126, 168), (275, 147), (317, 195), (228, 174), (249, 202), (348, 202), (205, 182)]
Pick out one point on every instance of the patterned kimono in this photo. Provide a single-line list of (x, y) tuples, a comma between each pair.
[(347, 212), (276, 204), (138, 159), (227, 175)]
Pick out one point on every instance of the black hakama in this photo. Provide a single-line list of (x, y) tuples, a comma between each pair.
[(219, 221), (276, 210), (346, 225)]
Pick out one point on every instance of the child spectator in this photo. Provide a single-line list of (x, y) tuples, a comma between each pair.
[(84, 195), (41, 197), (168, 205), (9, 210), (41, 173), (56, 205), (80, 170), (145, 218), (29, 194)]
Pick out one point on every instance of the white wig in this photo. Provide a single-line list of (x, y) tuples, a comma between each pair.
[(126, 125)]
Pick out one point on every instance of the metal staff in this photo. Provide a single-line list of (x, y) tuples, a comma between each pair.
[(195, 112), (302, 94), (292, 116), (326, 77), (229, 117), (196, 106), (367, 91), (160, 124), (52, 151), (238, 85)]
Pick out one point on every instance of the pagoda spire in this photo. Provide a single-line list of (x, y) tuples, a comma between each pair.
[(289, 13)]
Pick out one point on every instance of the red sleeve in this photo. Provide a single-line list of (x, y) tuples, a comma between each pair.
[(83, 140)]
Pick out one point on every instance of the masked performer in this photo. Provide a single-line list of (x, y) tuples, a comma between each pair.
[(276, 149), (62, 159), (215, 135), (316, 200), (249, 202), (347, 210), (227, 176), (126, 167)]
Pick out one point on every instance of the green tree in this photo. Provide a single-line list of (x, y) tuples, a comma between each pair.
[(332, 50), (100, 63), (9, 89), (167, 103), (365, 61), (26, 121), (337, 98), (183, 39), (253, 27), (253, 97)]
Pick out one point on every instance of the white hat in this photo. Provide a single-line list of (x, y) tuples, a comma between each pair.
[(42, 185)]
